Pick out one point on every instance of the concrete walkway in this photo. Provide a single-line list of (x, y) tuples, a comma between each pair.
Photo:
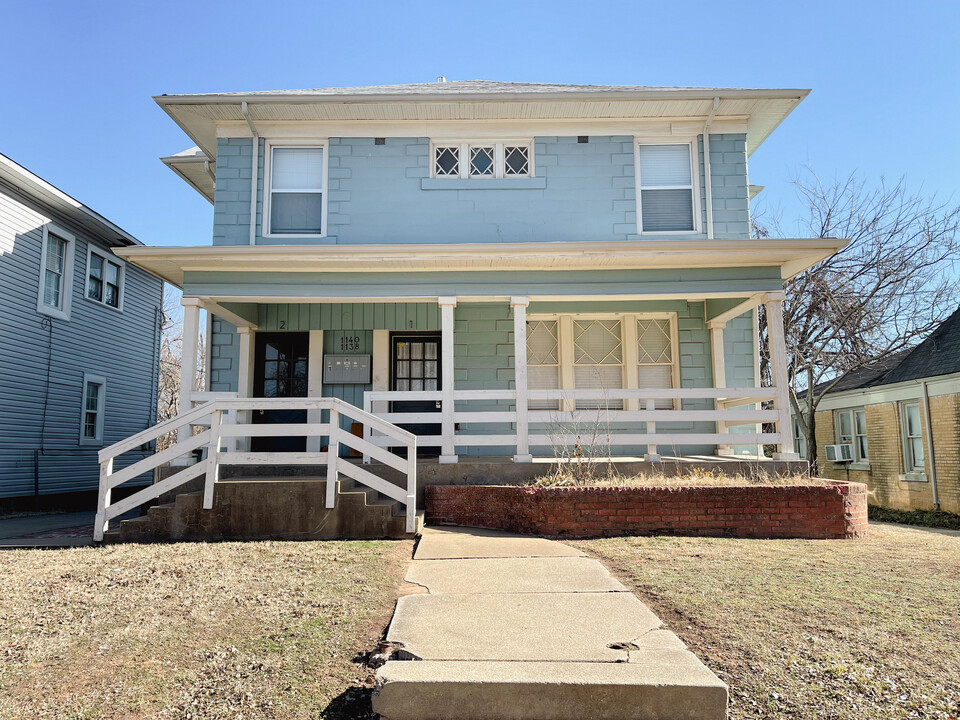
[(51, 530), (520, 628)]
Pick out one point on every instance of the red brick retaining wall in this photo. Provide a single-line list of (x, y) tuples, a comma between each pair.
[(834, 510)]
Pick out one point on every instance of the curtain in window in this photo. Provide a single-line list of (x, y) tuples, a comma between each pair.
[(543, 361), (597, 360), (655, 357)]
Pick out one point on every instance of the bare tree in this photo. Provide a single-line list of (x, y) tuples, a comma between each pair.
[(171, 349), (889, 288)]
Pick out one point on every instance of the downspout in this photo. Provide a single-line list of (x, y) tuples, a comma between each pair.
[(255, 167), (930, 451), (708, 184)]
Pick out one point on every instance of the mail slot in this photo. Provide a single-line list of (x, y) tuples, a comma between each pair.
[(346, 369)]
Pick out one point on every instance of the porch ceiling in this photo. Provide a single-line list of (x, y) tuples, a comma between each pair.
[(792, 256)]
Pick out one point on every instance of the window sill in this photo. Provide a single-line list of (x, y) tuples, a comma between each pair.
[(534, 183), (105, 305), (913, 477), (860, 466), (53, 312), (90, 442)]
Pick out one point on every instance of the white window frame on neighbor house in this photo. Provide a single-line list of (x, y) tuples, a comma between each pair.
[(854, 416), (313, 144), (101, 382), (62, 310), (121, 277), (465, 162), (693, 146), (630, 355), (799, 439), (911, 470)]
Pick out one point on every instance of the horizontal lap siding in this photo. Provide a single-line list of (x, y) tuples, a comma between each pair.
[(97, 340)]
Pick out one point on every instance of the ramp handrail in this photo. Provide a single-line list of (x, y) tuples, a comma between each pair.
[(220, 427)]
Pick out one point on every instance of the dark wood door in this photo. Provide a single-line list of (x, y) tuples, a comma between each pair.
[(415, 365), (280, 370)]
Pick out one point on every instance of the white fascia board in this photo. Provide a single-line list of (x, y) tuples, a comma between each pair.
[(895, 392), (180, 165), (43, 192), (171, 262)]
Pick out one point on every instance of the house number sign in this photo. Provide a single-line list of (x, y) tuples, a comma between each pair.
[(349, 343)]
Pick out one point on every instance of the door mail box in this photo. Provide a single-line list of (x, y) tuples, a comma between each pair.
[(346, 369)]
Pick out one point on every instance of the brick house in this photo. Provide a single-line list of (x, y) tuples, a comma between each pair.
[(902, 420)]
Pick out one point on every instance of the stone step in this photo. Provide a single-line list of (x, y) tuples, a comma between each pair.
[(490, 690)]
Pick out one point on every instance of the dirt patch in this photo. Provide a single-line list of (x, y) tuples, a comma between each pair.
[(864, 630)]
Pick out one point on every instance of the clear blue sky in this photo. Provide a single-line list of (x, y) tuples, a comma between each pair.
[(76, 107)]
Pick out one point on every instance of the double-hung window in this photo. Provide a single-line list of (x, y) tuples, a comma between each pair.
[(56, 267), (667, 194), (91, 411), (104, 279), (297, 205), (467, 160), (913, 457), (851, 429), (605, 353), (799, 439)]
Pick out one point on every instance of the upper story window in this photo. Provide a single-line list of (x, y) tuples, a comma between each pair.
[(666, 192), (56, 263), (104, 279), (482, 159), (297, 205)]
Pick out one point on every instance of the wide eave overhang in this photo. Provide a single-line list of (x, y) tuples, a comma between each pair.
[(792, 256)]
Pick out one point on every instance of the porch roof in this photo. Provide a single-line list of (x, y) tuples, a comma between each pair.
[(792, 256)]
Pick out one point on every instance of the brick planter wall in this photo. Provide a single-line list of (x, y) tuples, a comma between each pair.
[(835, 510)]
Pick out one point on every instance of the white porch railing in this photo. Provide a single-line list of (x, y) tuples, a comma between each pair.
[(729, 412), (218, 433)]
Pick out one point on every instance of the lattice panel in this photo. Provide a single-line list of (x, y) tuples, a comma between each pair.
[(654, 344), (542, 343), (447, 161), (597, 342), (481, 161), (516, 160)]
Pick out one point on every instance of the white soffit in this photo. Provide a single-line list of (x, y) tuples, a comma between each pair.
[(761, 110), (792, 256), (193, 166)]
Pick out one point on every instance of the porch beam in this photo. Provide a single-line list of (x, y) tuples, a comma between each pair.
[(519, 307), (212, 306), (720, 320), (778, 374), (448, 452)]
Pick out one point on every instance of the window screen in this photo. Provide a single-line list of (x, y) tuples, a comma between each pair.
[(666, 188)]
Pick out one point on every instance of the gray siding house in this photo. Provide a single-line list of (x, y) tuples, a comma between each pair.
[(79, 338)]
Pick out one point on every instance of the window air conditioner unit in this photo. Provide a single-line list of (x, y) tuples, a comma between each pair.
[(840, 453)]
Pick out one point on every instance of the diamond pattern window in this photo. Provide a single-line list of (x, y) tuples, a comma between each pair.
[(465, 160), (543, 361)]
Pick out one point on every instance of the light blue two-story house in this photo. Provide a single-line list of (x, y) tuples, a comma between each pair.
[(79, 342), (498, 269)]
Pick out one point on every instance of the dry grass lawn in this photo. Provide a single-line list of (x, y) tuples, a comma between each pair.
[(231, 630), (845, 630)]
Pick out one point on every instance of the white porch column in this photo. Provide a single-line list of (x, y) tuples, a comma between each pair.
[(448, 451), (778, 374), (519, 305), (244, 379), (189, 346), (719, 376), (314, 384)]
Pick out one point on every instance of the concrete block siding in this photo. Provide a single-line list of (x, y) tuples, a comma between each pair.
[(588, 193)]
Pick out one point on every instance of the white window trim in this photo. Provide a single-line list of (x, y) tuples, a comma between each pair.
[(911, 473), (694, 145), (859, 463), (122, 277), (498, 160), (101, 404), (66, 292), (628, 340), (267, 200), (799, 439)]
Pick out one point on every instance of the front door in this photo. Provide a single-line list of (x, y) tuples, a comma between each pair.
[(280, 371), (415, 365)]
